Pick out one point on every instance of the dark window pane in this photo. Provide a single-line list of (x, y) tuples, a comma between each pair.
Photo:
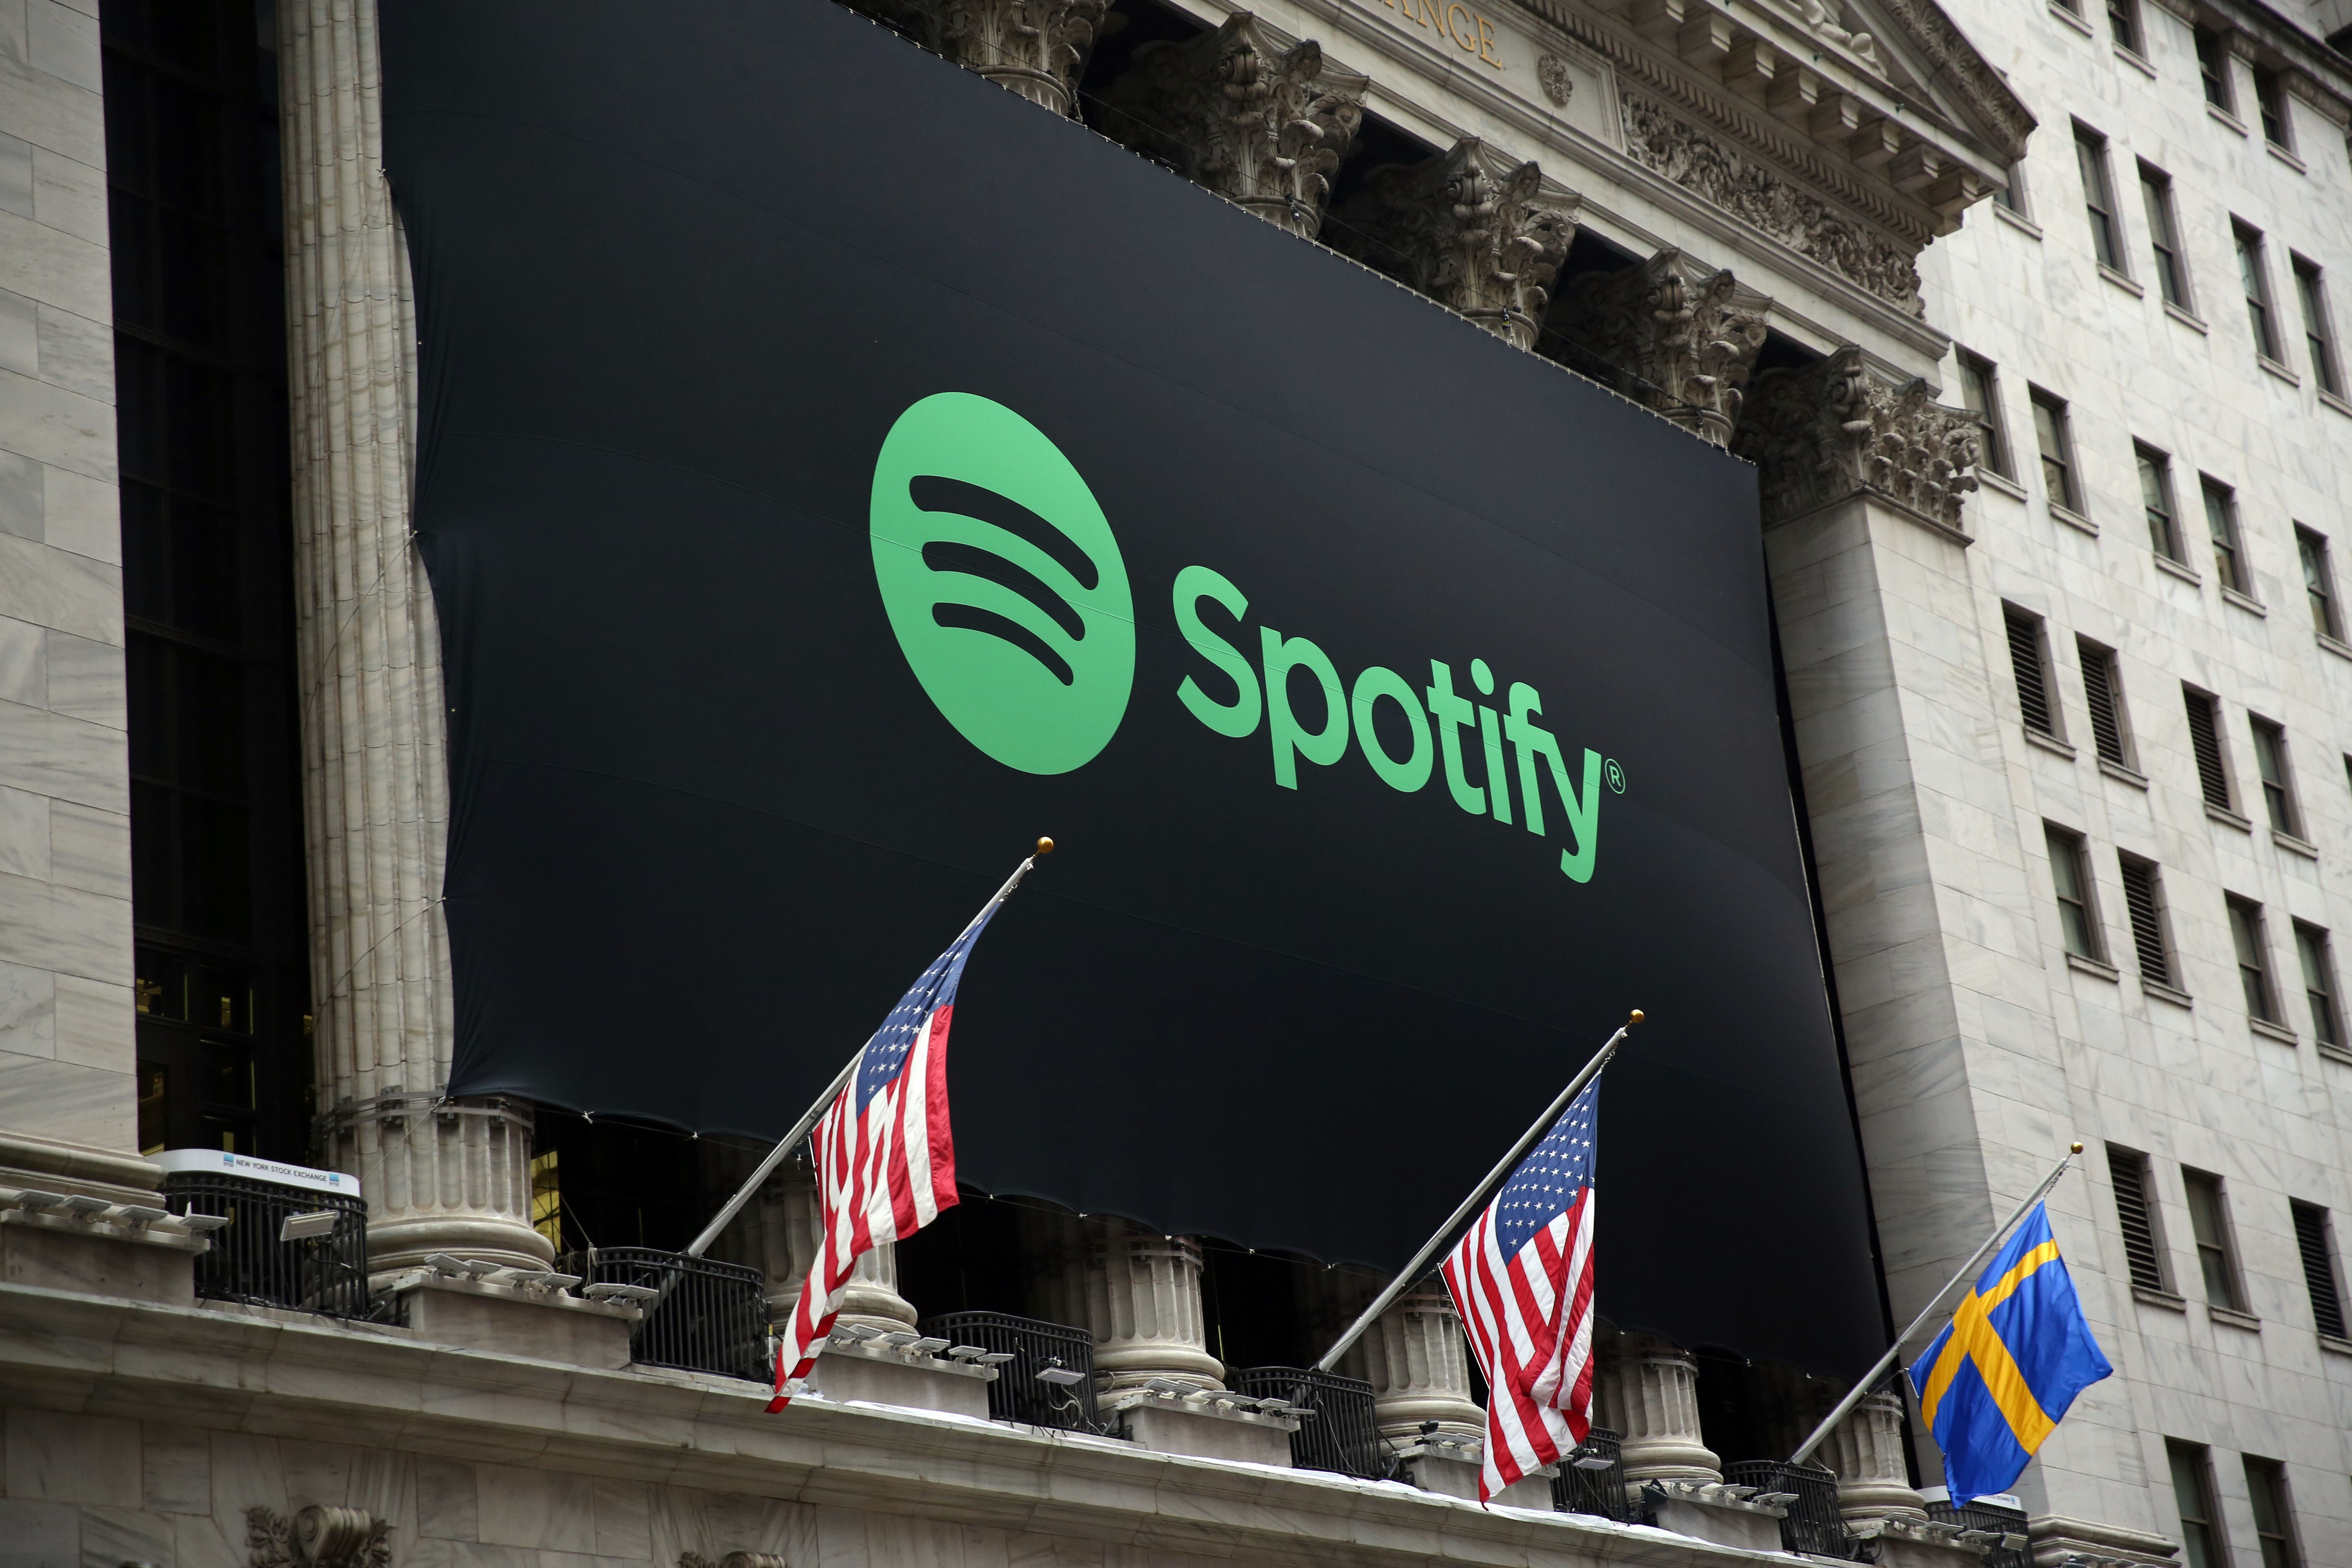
[(2254, 960), (2273, 1527), (2192, 1493), (2213, 67), (2210, 1226), (2221, 524), (2313, 949)]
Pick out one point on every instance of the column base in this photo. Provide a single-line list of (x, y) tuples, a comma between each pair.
[(1919, 1543), (507, 1319), (881, 1377), (397, 1244), (1160, 1423), (2056, 1538), (55, 1252), (1705, 1512), (1453, 1472)]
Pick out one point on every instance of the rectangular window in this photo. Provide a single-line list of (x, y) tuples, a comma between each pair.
[(2123, 24), (2319, 958), (2274, 1520), (2057, 449), (1980, 395), (2255, 278), (2164, 235), (2103, 692), (2213, 67), (2246, 934), (2156, 498), (2312, 1239), (2070, 873), (2128, 1170), (2144, 901), (2269, 97), (2098, 197), (2221, 524), (2205, 740), (2029, 661), (2278, 784), (2318, 331), (2318, 583), (2012, 194), (2192, 1493), (2210, 1220)]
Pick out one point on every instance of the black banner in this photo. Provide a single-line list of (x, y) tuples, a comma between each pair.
[(836, 471)]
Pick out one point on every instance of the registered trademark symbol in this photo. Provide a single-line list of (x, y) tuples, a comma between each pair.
[(1616, 777)]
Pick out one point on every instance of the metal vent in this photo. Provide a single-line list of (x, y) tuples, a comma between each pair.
[(2025, 659), (2319, 1270), (2146, 923), (2205, 740), (2128, 1170), (2099, 692)]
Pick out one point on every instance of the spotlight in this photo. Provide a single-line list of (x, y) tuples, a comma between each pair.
[(969, 1353), (995, 1358), (87, 1208), (204, 1223), (610, 1291), (38, 1201), (1166, 1387), (927, 1345), (901, 1340), (141, 1215), (307, 1226)]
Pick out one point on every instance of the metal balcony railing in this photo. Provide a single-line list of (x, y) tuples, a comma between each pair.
[(1814, 1523), (253, 1261), (1993, 1518), (1335, 1429), (706, 1317), (1064, 1397), (1591, 1481)]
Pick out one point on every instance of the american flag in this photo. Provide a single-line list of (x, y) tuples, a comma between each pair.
[(1522, 1279), (885, 1154)]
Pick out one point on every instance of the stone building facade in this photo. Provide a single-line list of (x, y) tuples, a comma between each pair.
[(1728, 212)]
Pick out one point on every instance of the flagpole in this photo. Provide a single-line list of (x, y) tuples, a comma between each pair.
[(809, 1118), (1870, 1379), (1470, 1205)]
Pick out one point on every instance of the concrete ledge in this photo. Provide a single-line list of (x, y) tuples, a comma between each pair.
[(1453, 1472), (508, 1320), (92, 1171), (1166, 1426), (53, 1252), (883, 1377), (2056, 1538), (1710, 1511)]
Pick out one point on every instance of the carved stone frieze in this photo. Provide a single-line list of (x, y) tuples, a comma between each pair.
[(1833, 429), (1035, 48), (1261, 125), (1552, 74), (1824, 22), (317, 1537), (1470, 229), (1689, 335)]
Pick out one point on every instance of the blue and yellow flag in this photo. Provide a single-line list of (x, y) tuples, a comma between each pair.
[(2000, 1377)]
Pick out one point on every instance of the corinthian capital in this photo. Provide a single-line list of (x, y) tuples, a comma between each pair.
[(1833, 429), (1689, 337), (1260, 125), (1468, 228), (1033, 47)]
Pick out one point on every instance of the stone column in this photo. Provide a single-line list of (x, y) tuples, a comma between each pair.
[(1137, 1293), (1033, 48), (790, 1229), (1833, 431), (1418, 1363), (1684, 339), (1649, 1396), (1866, 1449), (439, 1178)]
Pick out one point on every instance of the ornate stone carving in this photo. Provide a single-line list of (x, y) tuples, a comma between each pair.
[(1262, 126), (1833, 429), (1824, 22), (1701, 163), (1928, 30), (1469, 229), (316, 1538), (1692, 335), (1552, 75), (1033, 47)]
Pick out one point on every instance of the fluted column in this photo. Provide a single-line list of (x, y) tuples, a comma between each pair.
[(1866, 1449), (437, 1178), (1137, 1293), (1418, 1363), (790, 1227), (1649, 1391)]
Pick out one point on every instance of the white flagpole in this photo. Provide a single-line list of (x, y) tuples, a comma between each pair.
[(809, 1118), (1470, 1205), (1870, 1379)]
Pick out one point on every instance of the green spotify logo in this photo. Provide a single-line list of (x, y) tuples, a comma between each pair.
[(1003, 583)]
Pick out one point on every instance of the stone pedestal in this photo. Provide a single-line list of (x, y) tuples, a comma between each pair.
[(790, 1229), (1418, 1363), (2056, 1538), (1166, 1423), (1707, 1511), (1920, 1543), (509, 1319), (1866, 1449), (1453, 1471), (1649, 1397), (880, 1375), (439, 1177), (62, 1251)]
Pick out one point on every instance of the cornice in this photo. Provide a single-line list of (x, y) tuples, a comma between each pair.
[(1957, 63)]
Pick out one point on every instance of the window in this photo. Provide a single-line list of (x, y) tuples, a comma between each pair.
[(2098, 198), (2213, 67), (2318, 583), (2269, 97), (2069, 872), (2221, 523), (2128, 1171), (2205, 740), (2210, 1220), (2028, 660), (2144, 903), (2103, 693), (2278, 786), (2274, 1522), (2253, 959), (2057, 450), (2012, 194), (2256, 279), (2318, 335), (2164, 235), (2155, 497), (2311, 1239), (2312, 947), (2192, 1491), (2123, 24), (1980, 396)]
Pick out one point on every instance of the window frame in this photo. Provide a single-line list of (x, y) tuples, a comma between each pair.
[(2123, 27), (2077, 893), (2318, 564), (2164, 237), (2131, 1168), (2275, 768), (2099, 199), (2250, 943), (2203, 1543), (2318, 325), (2157, 928), (2016, 622), (2315, 1246), (2221, 791), (2270, 108), (2267, 1492), (2051, 409), (2221, 1251), (2155, 467), (2254, 280), (2093, 654), (1980, 381), (2013, 195), (2211, 46), (2315, 954), (2222, 532)]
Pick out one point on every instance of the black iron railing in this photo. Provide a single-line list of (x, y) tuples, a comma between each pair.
[(1337, 1431), (252, 1261), (1992, 1517), (707, 1317), (1592, 1479), (1064, 1397), (1814, 1523)]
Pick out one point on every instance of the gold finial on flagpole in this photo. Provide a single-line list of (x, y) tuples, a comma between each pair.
[(1636, 1017), (1045, 846), (2077, 1148)]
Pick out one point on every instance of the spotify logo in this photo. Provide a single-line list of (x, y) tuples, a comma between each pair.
[(1003, 583)]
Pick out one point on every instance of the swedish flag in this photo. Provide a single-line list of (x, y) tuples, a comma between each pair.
[(2000, 1377)]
